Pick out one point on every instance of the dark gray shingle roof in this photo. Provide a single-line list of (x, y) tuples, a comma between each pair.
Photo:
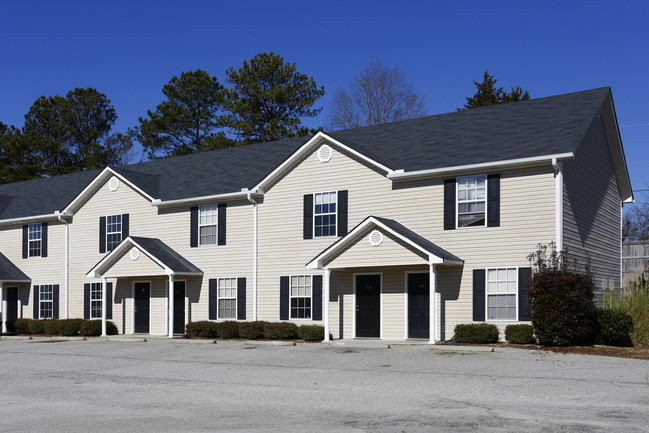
[(543, 126), (9, 271), (169, 257)]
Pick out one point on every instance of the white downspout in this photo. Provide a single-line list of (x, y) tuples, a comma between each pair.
[(254, 256), (59, 215), (558, 184)]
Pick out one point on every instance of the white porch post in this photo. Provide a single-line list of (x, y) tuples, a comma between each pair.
[(327, 276), (104, 301), (4, 308), (433, 303), (171, 306)]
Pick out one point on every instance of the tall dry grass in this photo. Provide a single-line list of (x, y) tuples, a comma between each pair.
[(633, 299)]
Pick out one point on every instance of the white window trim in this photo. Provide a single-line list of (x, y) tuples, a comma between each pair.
[(486, 299), (41, 300), (329, 213), (236, 300), (457, 202), (216, 225), (290, 297), (100, 300), (121, 224), (40, 239)]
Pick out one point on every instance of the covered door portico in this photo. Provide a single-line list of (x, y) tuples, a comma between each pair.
[(11, 278), (148, 267), (382, 254)]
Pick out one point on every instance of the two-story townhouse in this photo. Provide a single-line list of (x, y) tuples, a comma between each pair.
[(394, 231)]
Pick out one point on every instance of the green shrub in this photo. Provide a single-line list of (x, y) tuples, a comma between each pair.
[(227, 329), (251, 330), (311, 332), (476, 333), (202, 329), (51, 327), (634, 300), (90, 328), (614, 328), (111, 328), (561, 301), (70, 327), (280, 331), (11, 326), (36, 327), (21, 326), (520, 334)]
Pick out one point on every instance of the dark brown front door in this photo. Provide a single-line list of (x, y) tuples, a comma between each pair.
[(179, 307), (418, 306), (142, 305), (12, 304), (368, 306)]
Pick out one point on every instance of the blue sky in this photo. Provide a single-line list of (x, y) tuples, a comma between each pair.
[(130, 49)]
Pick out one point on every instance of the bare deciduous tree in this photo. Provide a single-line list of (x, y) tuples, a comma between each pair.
[(380, 94), (635, 225)]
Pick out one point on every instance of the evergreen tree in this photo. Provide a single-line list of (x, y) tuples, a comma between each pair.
[(268, 99), (489, 94)]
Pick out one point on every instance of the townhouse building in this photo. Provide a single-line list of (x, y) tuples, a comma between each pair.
[(395, 231)]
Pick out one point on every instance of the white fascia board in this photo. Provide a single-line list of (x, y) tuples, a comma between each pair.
[(34, 218), (90, 188), (617, 151), (481, 166), (315, 140), (206, 198)]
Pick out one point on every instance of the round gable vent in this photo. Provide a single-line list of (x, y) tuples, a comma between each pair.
[(376, 238), (113, 183), (135, 254), (325, 153)]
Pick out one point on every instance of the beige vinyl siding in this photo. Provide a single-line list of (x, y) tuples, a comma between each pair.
[(142, 267), (592, 208), (41, 270), (172, 226), (527, 218), (391, 252)]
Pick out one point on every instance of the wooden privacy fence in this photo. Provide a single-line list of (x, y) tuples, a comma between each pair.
[(635, 259)]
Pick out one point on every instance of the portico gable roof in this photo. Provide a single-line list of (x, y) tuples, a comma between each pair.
[(433, 253), (10, 272)]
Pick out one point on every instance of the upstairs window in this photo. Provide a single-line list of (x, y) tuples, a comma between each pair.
[(35, 238), (113, 231), (207, 223), (471, 201), (325, 214)]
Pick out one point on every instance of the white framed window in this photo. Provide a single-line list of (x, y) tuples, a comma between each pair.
[(471, 201), (96, 300), (300, 296), (35, 239), (502, 294), (324, 214), (45, 301), (207, 220), (226, 298), (113, 231)]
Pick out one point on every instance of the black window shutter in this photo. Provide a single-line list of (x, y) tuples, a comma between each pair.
[(316, 298), (109, 303), (86, 301), (478, 295), (308, 217), (25, 241), (102, 234), (342, 213), (36, 306), (493, 200), (221, 223), (449, 204), (241, 298), (55, 301), (212, 300), (44, 240), (125, 231), (193, 226), (523, 287), (283, 298)]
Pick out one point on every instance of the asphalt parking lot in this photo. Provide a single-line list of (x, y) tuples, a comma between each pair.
[(160, 385)]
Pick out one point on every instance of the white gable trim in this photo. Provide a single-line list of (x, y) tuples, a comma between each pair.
[(90, 189), (351, 237), (317, 139), (617, 152)]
